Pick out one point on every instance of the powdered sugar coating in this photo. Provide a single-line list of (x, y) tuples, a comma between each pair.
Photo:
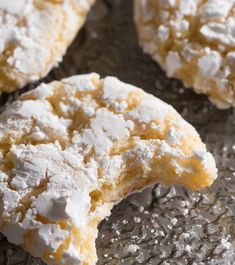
[(34, 35), (193, 41), (63, 168)]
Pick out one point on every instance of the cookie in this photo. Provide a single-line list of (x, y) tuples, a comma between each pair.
[(34, 35), (70, 150), (192, 40)]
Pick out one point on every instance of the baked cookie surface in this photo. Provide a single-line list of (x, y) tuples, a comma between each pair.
[(70, 150), (192, 40), (34, 35)]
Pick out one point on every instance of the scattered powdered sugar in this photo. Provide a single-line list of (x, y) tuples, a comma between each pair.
[(166, 229), (132, 248)]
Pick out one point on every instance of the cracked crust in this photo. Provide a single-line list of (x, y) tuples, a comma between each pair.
[(72, 149), (34, 35), (193, 41)]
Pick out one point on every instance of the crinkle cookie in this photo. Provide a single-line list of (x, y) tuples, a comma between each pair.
[(34, 35), (193, 40), (70, 150)]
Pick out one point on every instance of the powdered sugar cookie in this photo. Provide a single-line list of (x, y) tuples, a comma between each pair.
[(70, 150), (193, 40), (34, 35)]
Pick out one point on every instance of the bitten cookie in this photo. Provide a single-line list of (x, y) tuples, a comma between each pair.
[(70, 150), (194, 41), (34, 35)]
